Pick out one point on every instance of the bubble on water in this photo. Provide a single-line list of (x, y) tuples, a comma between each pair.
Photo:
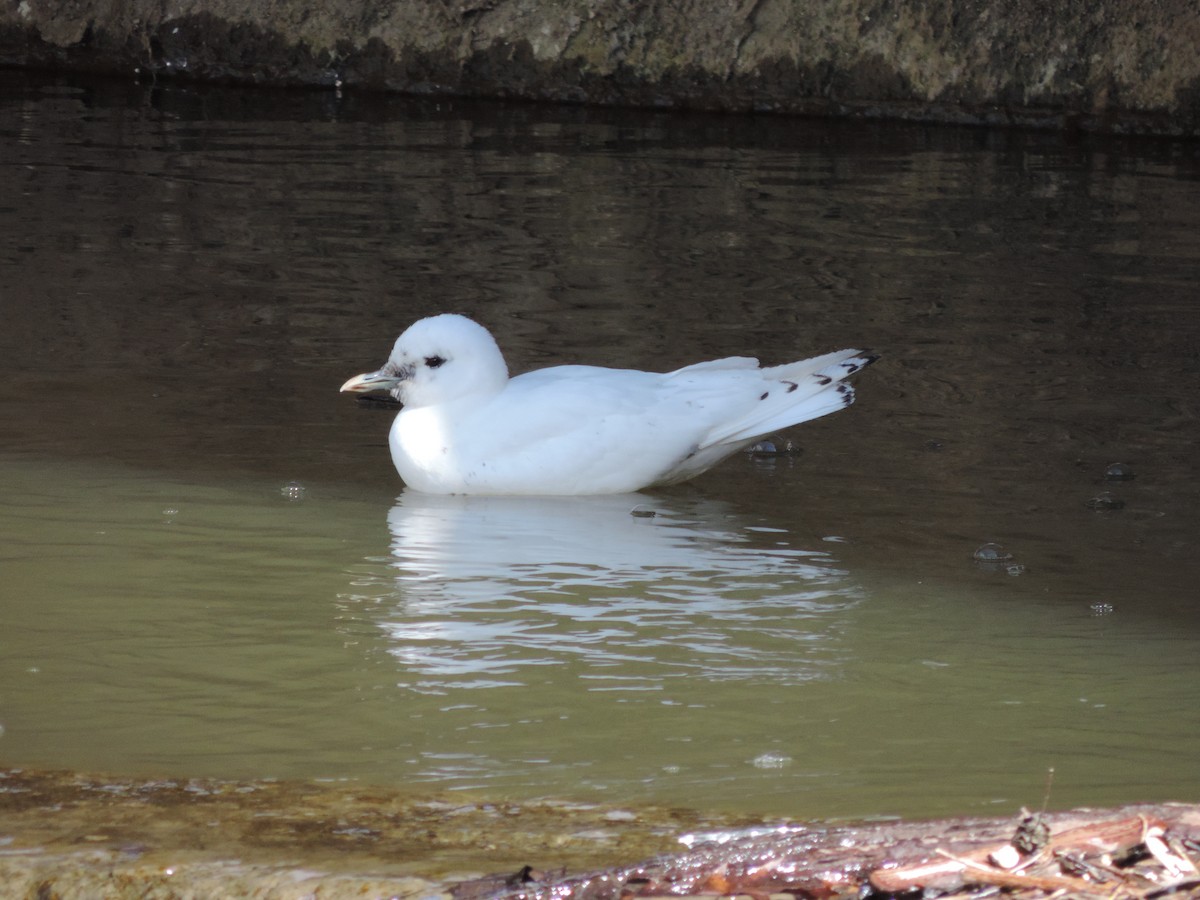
[(1105, 501), (993, 557), (1101, 609), (293, 490), (169, 514), (773, 447), (771, 760), (991, 553), (1119, 472)]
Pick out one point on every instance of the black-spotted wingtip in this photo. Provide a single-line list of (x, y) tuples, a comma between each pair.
[(860, 362)]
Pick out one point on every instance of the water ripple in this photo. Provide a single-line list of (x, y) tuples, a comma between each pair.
[(486, 590)]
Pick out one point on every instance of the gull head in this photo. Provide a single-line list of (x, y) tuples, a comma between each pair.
[(438, 360)]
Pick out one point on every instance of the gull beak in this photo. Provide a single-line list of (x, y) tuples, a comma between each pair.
[(373, 381)]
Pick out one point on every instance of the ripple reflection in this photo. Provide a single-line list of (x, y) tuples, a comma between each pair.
[(490, 591)]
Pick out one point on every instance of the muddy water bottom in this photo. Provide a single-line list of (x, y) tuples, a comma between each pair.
[(90, 834)]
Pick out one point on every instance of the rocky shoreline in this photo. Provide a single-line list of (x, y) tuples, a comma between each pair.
[(1111, 66), (72, 835), (69, 835)]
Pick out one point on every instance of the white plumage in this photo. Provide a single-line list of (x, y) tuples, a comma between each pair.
[(466, 427)]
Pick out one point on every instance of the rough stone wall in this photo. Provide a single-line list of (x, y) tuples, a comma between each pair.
[(1115, 65)]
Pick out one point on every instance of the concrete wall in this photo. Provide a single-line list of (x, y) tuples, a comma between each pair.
[(1108, 65)]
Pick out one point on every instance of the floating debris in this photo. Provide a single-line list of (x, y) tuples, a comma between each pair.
[(641, 512), (771, 760)]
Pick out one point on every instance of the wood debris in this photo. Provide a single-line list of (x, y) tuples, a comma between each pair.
[(1133, 853)]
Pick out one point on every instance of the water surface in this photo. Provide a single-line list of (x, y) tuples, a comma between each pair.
[(210, 567)]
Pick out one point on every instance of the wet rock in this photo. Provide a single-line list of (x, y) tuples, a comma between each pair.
[(85, 875), (1117, 66), (76, 835)]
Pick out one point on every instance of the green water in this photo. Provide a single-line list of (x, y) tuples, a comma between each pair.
[(209, 567)]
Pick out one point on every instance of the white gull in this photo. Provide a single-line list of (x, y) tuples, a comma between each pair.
[(467, 428)]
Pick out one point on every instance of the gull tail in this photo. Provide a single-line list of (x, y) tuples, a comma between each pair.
[(794, 393)]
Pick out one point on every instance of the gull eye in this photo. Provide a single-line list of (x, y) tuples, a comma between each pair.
[(434, 361)]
